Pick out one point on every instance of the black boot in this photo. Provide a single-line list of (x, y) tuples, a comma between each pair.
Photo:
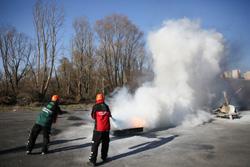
[(89, 163)]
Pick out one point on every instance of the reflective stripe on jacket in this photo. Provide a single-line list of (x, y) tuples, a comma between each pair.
[(48, 114), (101, 113)]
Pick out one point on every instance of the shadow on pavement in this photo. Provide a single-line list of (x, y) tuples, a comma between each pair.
[(79, 146), (67, 148), (144, 147), (23, 148)]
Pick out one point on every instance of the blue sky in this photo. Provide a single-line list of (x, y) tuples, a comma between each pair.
[(229, 17)]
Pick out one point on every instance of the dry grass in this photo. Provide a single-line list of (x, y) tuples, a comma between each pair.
[(18, 108), (71, 107), (76, 107)]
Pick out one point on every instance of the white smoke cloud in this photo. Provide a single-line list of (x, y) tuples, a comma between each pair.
[(186, 64)]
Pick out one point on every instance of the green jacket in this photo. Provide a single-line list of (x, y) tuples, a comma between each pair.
[(48, 115)]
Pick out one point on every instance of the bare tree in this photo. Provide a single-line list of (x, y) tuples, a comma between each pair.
[(1, 76), (15, 51), (121, 49), (1, 82), (48, 21), (65, 75), (83, 56)]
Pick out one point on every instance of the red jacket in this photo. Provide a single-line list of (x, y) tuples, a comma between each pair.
[(101, 113)]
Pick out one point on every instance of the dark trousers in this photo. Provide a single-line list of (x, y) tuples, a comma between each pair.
[(36, 129), (99, 137)]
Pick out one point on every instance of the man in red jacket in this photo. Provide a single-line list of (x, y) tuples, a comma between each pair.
[(101, 114)]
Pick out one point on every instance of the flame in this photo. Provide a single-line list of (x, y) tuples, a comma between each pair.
[(138, 122)]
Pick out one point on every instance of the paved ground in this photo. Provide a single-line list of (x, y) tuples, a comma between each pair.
[(219, 143)]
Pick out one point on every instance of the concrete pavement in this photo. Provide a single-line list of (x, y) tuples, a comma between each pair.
[(219, 143)]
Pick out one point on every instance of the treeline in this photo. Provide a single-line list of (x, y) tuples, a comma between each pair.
[(103, 56)]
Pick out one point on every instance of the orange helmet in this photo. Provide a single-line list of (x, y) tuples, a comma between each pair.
[(99, 98), (55, 98)]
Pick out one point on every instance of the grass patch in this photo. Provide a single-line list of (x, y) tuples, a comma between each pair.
[(19, 108), (70, 107), (76, 107)]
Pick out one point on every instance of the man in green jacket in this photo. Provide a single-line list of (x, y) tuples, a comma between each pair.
[(44, 121)]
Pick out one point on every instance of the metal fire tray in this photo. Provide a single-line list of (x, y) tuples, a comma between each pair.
[(128, 132)]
